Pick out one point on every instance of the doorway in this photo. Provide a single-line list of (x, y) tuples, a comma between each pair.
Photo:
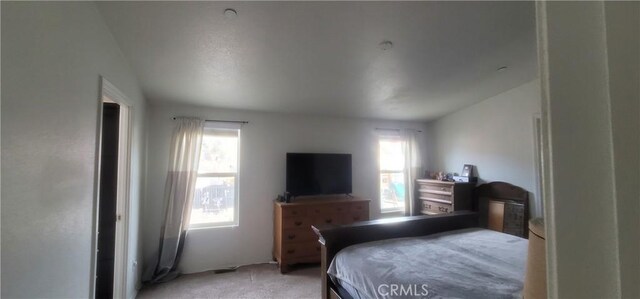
[(107, 200), (112, 195)]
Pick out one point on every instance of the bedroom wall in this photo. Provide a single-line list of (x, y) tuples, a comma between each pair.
[(265, 141), (53, 55), (496, 135)]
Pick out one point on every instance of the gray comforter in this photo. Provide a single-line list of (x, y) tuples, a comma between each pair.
[(468, 263)]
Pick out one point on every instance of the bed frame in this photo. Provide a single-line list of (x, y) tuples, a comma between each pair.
[(333, 238), (507, 194)]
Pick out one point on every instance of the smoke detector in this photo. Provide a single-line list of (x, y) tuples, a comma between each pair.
[(385, 45), (230, 13)]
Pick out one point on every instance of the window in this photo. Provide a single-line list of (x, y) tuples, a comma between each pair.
[(392, 174), (215, 201)]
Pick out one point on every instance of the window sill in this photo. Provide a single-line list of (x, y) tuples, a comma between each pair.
[(392, 213), (213, 226)]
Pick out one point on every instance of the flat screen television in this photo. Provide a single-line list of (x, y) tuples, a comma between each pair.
[(318, 174)]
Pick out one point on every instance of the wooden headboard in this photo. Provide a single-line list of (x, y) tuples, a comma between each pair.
[(503, 207)]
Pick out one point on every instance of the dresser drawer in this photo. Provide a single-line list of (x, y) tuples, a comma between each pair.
[(296, 222), (301, 249), (294, 211), (335, 218), (443, 198), (445, 189), (328, 209), (359, 207), (298, 234), (433, 207)]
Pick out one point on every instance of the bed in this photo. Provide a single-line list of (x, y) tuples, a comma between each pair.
[(439, 256)]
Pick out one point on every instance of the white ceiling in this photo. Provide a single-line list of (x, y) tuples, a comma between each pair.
[(323, 57)]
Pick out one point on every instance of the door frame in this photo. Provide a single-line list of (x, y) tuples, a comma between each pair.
[(109, 93), (539, 160)]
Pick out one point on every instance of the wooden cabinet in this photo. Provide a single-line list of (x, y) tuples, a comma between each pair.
[(293, 239), (437, 197)]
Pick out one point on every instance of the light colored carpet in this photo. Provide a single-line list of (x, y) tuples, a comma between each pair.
[(253, 281)]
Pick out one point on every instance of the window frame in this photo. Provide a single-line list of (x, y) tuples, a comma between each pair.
[(210, 129), (391, 211)]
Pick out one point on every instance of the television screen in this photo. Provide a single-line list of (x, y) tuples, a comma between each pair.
[(316, 174)]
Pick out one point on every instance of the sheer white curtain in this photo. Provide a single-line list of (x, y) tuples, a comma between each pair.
[(412, 169), (178, 194)]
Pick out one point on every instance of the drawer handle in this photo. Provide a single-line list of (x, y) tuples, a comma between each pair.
[(328, 220), (290, 251), (298, 223), (291, 237)]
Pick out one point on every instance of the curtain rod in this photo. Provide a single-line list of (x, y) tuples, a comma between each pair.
[(390, 129), (223, 121)]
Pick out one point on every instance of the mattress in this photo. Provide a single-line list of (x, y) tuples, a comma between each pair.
[(467, 263)]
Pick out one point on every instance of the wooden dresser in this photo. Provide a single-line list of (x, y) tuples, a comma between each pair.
[(439, 197), (293, 239)]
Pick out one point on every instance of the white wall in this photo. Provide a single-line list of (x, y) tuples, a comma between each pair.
[(623, 54), (53, 55), (496, 135), (264, 143), (589, 77)]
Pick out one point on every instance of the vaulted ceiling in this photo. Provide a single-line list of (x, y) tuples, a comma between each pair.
[(325, 57)]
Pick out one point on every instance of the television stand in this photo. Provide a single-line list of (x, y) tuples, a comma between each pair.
[(294, 242)]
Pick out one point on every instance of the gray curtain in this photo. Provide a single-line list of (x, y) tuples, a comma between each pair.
[(178, 195), (413, 169)]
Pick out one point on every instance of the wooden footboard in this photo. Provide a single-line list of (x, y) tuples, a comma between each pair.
[(333, 238)]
